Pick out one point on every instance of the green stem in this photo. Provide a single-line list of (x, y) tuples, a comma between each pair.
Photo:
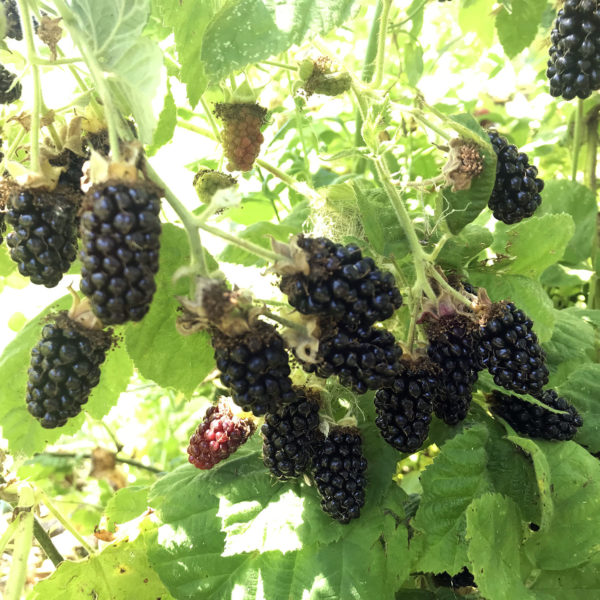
[(110, 113), (211, 120), (55, 137), (439, 246), (46, 543), (419, 116), (383, 23), (197, 259), (410, 15), (24, 533), (112, 436), (285, 322), (278, 64), (37, 87), (13, 147), (577, 138), (591, 163), (8, 534), (425, 182), (447, 287), (64, 521), (297, 186), (119, 459), (463, 131), (240, 243), (191, 127), (299, 129), (38, 60)]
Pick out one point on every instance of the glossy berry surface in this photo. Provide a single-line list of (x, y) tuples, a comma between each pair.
[(65, 366), (363, 360), (254, 367), (43, 242), (342, 285), (339, 472), (452, 347), (516, 193), (241, 136), (289, 435), (404, 410), (535, 421), (218, 436), (510, 351), (574, 64), (13, 20), (120, 241), (8, 92)]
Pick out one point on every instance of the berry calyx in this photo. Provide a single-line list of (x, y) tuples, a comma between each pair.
[(219, 435)]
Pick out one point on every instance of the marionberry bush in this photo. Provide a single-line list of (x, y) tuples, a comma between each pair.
[(365, 232)]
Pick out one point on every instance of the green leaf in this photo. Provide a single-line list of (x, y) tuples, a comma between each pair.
[(167, 121), (456, 477), (413, 62), (582, 388), (494, 532), (127, 504), (517, 29), (536, 243), (570, 584), (526, 293), (248, 31), (7, 265), (474, 15), (565, 196), (463, 206), (157, 349), (572, 338), (460, 250), (120, 571)]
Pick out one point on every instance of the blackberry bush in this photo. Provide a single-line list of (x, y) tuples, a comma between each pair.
[(10, 91), (452, 347), (241, 136), (341, 284), (363, 360), (535, 421), (13, 20), (254, 367), (219, 435), (404, 410), (510, 351), (120, 238), (43, 242), (339, 473), (65, 367), (574, 64), (516, 193), (289, 435)]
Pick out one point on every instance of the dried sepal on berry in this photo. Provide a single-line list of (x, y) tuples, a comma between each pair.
[(465, 163)]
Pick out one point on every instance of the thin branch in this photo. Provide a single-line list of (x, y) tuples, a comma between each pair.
[(46, 543)]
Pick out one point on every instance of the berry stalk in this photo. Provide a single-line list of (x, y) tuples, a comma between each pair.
[(577, 138), (383, 23)]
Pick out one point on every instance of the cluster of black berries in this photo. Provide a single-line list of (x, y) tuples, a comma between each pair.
[(254, 367), (536, 421), (13, 20), (516, 193), (574, 65), (10, 91), (65, 366), (339, 467), (289, 435), (219, 435), (120, 237), (241, 135), (363, 360), (341, 285), (43, 242)]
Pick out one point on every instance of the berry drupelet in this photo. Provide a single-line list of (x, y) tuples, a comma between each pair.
[(574, 65), (43, 242), (510, 351), (219, 435), (289, 435), (120, 237), (254, 367), (404, 410), (339, 467), (341, 284), (65, 366), (535, 421), (516, 193)]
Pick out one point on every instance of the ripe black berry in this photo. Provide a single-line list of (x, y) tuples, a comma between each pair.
[(254, 367), (43, 242), (2, 227), (339, 467), (516, 193), (218, 436), (404, 410), (241, 135), (120, 237), (574, 65), (452, 347), (509, 349), (13, 20), (342, 285), (289, 435), (9, 93), (535, 421), (65, 366), (363, 360)]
